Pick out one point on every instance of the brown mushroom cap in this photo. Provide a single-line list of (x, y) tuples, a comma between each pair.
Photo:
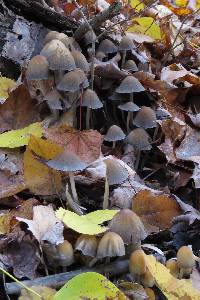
[(147, 279), (137, 263), (38, 68), (107, 46), (58, 56), (129, 226), (72, 81), (100, 55), (115, 172), (172, 265), (130, 84), (53, 99), (80, 61), (139, 139), (91, 100), (66, 254), (130, 65), (185, 258), (114, 134), (110, 245), (90, 37), (145, 118), (126, 44), (129, 106), (55, 35), (87, 244)]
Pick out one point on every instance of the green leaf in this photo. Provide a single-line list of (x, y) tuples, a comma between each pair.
[(137, 5), (20, 137), (6, 85), (89, 285), (147, 26), (86, 224)]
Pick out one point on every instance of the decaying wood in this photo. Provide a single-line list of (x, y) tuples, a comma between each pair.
[(58, 280)]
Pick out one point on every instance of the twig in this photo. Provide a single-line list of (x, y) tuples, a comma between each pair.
[(55, 281)]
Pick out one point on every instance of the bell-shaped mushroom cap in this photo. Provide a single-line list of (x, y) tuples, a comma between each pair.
[(100, 55), (87, 244), (129, 226), (53, 99), (66, 254), (126, 44), (115, 172), (58, 56), (185, 258), (129, 106), (114, 134), (110, 245), (67, 161), (91, 100), (130, 84), (145, 118), (130, 65), (107, 46), (55, 35), (119, 97), (73, 81), (38, 68), (139, 139), (80, 60), (90, 37), (137, 263)]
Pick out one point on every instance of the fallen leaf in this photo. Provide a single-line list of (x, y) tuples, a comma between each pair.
[(146, 25), (137, 5), (6, 85), (156, 210), (86, 224), (86, 144), (11, 184), (45, 226)]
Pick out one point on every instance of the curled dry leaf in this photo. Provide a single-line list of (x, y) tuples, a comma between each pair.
[(45, 226), (86, 144), (156, 210)]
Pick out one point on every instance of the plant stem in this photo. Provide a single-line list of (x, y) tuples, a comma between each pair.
[(73, 188), (88, 118), (106, 194), (128, 121)]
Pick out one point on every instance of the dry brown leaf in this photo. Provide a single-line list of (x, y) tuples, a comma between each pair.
[(10, 184), (86, 144), (19, 110), (40, 179), (156, 210)]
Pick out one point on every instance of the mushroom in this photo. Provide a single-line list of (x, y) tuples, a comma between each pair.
[(114, 134), (91, 101), (185, 261), (147, 279), (68, 162), (100, 55), (130, 85), (87, 244), (129, 226), (80, 60), (145, 118), (130, 107), (140, 140), (110, 245), (137, 264), (66, 254), (90, 37), (130, 65), (106, 46), (115, 174), (125, 45), (38, 68), (54, 99), (172, 265), (73, 81), (150, 294)]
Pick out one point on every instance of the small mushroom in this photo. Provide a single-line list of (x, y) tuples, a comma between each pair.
[(114, 134), (130, 85), (172, 265), (107, 46), (125, 45), (38, 68), (53, 99), (130, 65), (87, 244), (137, 264), (100, 55), (140, 140), (55, 35), (130, 107), (145, 118), (115, 174), (129, 226), (91, 101), (90, 37), (73, 81), (147, 279), (110, 245), (66, 254), (80, 60), (185, 261), (68, 162)]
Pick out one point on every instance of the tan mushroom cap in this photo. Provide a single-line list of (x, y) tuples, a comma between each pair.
[(137, 263), (58, 56), (38, 68), (100, 55), (87, 244), (110, 245), (91, 100), (130, 84), (107, 46), (147, 279), (55, 35), (90, 37), (172, 265), (114, 134), (73, 81), (126, 44), (129, 106), (115, 172), (53, 99), (66, 254), (130, 65), (145, 118), (139, 139), (185, 258), (129, 226), (80, 61)]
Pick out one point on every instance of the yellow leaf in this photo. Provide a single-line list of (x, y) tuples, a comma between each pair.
[(182, 3), (20, 137), (137, 5), (40, 179), (5, 223), (6, 85), (172, 288), (147, 26)]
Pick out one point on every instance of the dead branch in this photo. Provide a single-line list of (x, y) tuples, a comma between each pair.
[(58, 280)]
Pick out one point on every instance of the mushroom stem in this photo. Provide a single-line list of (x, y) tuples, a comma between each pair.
[(92, 65), (155, 133), (128, 121), (114, 144), (131, 97), (88, 118), (73, 188), (72, 204), (58, 75), (137, 160), (123, 59), (106, 194)]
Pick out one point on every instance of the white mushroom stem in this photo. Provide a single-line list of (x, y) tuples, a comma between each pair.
[(88, 118), (73, 188), (131, 100), (155, 133), (114, 144), (123, 59), (128, 121), (58, 75), (137, 160), (74, 206), (106, 194)]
